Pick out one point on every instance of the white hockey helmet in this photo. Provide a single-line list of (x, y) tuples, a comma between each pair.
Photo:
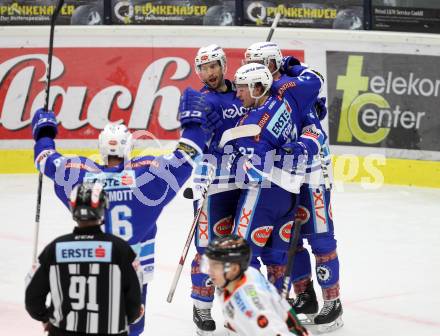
[(254, 73), (115, 140), (209, 54), (264, 52)]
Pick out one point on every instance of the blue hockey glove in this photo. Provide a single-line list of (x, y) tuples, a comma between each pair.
[(296, 149), (195, 109), (312, 139), (294, 157), (44, 124), (291, 66), (308, 145), (319, 108)]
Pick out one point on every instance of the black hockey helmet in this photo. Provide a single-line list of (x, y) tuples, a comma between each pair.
[(230, 249), (88, 201)]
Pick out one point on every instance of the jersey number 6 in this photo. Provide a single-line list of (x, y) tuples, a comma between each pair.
[(119, 223)]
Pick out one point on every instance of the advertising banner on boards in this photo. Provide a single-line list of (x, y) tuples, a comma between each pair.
[(174, 12), (93, 86), (406, 15), (338, 14), (384, 100), (38, 12)]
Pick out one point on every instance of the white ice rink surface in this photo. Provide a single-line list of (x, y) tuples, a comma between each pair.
[(388, 244)]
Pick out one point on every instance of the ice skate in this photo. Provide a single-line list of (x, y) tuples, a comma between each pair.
[(330, 317), (305, 305), (204, 322)]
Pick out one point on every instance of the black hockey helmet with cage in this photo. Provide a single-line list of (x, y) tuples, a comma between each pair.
[(88, 201), (230, 249)]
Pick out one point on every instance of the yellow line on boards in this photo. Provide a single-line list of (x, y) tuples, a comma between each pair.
[(346, 168)]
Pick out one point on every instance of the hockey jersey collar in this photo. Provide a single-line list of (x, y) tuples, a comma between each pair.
[(87, 230), (241, 282), (230, 88)]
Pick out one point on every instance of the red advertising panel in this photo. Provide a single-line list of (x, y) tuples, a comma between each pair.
[(92, 86)]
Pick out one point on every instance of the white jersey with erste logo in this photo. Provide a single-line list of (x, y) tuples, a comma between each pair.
[(255, 307)]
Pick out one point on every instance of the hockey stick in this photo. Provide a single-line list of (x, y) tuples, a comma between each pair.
[(228, 135), (293, 242), (274, 25), (46, 106), (324, 171), (296, 226)]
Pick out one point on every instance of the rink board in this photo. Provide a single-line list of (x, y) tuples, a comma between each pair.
[(383, 121), (370, 171)]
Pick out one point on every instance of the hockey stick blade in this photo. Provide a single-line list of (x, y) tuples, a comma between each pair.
[(229, 135), (239, 132)]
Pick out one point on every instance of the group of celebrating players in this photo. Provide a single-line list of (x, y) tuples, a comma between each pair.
[(262, 185)]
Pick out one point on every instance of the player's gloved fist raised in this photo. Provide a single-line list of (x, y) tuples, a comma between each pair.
[(195, 109), (291, 66), (44, 124), (320, 108)]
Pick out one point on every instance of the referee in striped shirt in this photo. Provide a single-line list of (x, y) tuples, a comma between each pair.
[(89, 274)]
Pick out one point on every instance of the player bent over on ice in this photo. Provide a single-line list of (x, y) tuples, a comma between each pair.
[(251, 305), (138, 188)]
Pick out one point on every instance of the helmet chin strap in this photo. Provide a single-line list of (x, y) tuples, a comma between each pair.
[(226, 269), (251, 87)]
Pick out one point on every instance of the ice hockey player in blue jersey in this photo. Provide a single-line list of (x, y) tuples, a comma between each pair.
[(264, 206), (216, 218), (303, 91), (138, 188), (314, 210)]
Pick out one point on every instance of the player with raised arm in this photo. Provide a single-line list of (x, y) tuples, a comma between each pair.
[(216, 218), (251, 305), (138, 188), (314, 210)]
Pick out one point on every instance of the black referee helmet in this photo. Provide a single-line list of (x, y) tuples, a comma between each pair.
[(88, 201)]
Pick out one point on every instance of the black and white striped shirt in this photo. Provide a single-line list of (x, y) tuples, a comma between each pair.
[(93, 285)]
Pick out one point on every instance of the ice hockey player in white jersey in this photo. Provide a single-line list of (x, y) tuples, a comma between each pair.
[(251, 305)]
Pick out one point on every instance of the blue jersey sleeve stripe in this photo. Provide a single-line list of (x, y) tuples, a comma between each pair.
[(146, 250)]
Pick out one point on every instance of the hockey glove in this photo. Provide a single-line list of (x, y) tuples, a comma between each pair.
[(44, 124), (319, 108), (313, 139), (297, 151), (195, 109), (291, 66), (308, 145)]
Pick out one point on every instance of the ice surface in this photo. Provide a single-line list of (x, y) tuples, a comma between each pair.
[(388, 247)]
